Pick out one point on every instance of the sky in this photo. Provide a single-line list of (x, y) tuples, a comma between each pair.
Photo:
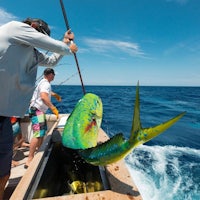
[(154, 42)]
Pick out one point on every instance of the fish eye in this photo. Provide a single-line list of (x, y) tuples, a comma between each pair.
[(98, 101)]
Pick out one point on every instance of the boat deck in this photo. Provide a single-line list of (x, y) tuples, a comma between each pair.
[(121, 183), (21, 155), (16, 172)]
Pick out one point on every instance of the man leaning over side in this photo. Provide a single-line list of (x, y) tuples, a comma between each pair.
[(19, 60)]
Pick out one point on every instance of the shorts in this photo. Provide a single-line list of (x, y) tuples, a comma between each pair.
[(39, 123), (6, 146), (16, 129)]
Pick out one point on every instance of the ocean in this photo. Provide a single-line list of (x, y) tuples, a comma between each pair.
[(167, 167)]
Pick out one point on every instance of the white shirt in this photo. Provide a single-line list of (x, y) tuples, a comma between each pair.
[(18, 64), (36, 101)]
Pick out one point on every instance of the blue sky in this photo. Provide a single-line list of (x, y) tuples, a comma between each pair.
[(120, 42)]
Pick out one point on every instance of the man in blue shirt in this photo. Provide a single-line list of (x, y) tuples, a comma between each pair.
[(19, 60)]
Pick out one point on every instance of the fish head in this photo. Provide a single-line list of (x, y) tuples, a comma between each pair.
[(94, 108), (82, 127)]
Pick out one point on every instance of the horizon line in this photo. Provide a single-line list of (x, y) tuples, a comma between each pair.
[(126, 85)]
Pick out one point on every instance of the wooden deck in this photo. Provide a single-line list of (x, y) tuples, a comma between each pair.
[(22, 155), (16, 172), (121, 183)]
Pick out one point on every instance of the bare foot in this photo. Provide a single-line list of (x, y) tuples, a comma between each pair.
[(28, 163), (15, 163), (24, 144)]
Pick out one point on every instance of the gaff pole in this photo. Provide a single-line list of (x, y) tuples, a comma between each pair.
[(75, 57)]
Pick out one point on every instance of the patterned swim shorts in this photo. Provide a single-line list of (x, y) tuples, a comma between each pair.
[(39, 124)]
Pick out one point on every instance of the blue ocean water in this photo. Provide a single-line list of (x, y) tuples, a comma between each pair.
[(167, 167)]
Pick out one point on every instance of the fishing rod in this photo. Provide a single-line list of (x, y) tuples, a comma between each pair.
[(75, 57)]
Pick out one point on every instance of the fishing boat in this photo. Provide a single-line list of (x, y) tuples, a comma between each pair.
[(59, 173)]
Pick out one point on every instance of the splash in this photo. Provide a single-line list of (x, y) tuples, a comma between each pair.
[(166, 172)]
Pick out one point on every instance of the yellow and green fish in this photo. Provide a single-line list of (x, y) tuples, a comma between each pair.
[(82, 126), (81, 132)]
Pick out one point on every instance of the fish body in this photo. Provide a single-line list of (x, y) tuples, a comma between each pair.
[(82, 126), (118, 147), (81, 131)]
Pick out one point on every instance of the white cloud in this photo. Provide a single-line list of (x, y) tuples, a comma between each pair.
[(5, 17), (106, 46)]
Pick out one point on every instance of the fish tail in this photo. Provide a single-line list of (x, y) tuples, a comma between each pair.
[(141, 135)]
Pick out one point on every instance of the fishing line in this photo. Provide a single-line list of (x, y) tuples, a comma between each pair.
[(56, 86), (39, 78), (61, 83), (67, 79), (75, 57)]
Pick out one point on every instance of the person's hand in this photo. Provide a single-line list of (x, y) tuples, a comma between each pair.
[(73, 47), (68, 39), (69, 36), (55, 111), (58, 97)]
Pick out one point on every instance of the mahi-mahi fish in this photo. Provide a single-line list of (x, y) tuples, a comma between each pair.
[(82, 126)]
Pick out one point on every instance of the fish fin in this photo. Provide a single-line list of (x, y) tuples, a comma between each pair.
[(136, 125)]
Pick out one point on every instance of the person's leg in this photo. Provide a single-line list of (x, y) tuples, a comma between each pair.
[(6, 150), (33, 145), (24, 144), (3, 181), (20, 142), (39, 127), (14, 163), (20, 138), (40, 142), (16, 132), (16, 139)]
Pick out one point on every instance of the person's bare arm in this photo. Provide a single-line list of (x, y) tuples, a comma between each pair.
[(45, 98)]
